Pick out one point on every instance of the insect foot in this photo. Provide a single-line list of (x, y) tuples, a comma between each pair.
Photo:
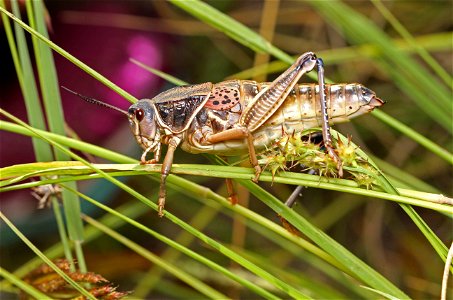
[(44, 193)]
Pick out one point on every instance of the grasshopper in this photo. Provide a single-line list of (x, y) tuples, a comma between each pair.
[(241, 116)]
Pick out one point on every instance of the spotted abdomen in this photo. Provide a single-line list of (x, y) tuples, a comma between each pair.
[(224, 96)]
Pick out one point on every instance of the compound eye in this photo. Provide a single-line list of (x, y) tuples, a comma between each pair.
[(139, 114)]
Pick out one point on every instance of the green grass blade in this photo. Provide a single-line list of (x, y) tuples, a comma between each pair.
[(33, 106), (247, 37), (417, 137), (69, 142), (152, 278), (183, 249), (156, 260), (57, 270), (161, 74), (230, 27), (30, 290), (429, 234), (411, 41), (433, 239), (356, 266), (404, 178), (47, 73), (71, 58), (132, 210), (321, 290), (55, 119), (14, 174), (385, 295), (62, 231), (225, 251), (414, 80), (27, 83), (431, 42)]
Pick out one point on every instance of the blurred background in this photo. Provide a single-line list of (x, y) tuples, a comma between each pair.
[(106, 34)]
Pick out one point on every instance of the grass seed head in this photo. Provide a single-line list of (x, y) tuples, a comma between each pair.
[(366, 178), (347, 152), (297, 149)]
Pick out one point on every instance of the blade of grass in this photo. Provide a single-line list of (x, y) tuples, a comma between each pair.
[(153, 277), (25, 287), (54, 113), (33, 108), (297, 247), (156, 260), (404, 178), (412, 78), (321, 290), (225, 251), (448, 265), (247, 37), (23, 172), (62, 230), (132, 210), (22, 63), (437, 68), (356, 266), (232, 28), (181, 248), (161, 74), (70, 142), (429, 234), (417, 137), (431, 42), (381, 293), (57, 270), (72, 59)]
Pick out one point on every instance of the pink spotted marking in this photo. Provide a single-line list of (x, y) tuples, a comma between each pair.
[(223, 98)]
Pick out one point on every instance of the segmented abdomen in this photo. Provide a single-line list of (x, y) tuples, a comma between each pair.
[(303, 104), (302, 110)]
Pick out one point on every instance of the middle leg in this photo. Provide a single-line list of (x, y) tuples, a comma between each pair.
[(236, 134)]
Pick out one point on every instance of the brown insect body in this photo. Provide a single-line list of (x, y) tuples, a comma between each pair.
[(240, 116), (300, 111)]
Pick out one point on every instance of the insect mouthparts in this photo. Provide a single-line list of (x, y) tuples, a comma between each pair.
[(376, 102)]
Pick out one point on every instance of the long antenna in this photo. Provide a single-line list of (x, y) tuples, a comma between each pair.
[(94, 101)]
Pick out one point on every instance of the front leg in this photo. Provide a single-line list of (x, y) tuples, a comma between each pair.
[(166, 167), (173, 142)]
